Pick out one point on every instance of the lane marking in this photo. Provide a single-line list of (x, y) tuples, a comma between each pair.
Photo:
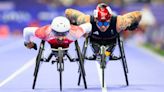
[(100, 77), (23, 68), (18, 72)]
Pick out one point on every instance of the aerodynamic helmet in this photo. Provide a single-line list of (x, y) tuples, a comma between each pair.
[(102, 12), (60, 25)]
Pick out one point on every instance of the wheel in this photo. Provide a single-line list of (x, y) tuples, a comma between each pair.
[(102, 77), (82, 71), (103, 63), (83, 55), (61, 67), (85, 47), (38, 59), (37, 64), (123, 59), (126, 66), (60, 80), (39, 55)]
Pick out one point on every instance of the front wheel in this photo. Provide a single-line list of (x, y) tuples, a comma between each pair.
[(60, 66), (60, 80), (103, 63)]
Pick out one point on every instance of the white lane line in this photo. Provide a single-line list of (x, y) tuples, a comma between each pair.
[(19, 71), (104, 89)]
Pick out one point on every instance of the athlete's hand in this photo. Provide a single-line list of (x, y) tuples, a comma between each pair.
[(30, 45), (133, 26), (85, 35)]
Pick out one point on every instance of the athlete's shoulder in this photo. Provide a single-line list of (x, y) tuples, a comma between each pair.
[(44, 28), (43, 31), (74, 27)]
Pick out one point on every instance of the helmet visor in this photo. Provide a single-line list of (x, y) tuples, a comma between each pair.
[(60, 33)]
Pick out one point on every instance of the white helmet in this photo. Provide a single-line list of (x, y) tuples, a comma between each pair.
[(60, 24)]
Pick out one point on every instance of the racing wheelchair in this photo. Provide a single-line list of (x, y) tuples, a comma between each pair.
[(59, 54), (103, 56)]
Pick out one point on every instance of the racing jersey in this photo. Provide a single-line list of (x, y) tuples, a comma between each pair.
[(46, 33), (103, 38)]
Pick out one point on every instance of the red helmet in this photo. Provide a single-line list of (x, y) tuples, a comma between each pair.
[(103, 12)]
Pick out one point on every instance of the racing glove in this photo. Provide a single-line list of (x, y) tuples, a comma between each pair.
[(30, 45), (133, 26)]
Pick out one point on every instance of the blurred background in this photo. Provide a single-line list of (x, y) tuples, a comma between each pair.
[(17, 14)]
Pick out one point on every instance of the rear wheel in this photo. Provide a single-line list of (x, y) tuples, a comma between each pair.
[(83, 55), (81, 64), (124, 63), (124, 57), (37, 65)]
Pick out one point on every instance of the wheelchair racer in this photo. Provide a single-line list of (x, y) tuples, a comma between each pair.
[(60, 33), (105, 26)]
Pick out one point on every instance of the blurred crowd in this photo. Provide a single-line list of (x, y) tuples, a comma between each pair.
[(15, 15)]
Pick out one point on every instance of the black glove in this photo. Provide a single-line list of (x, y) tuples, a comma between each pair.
[(31, 45), (35, 46), (74, 23), (133, 26)]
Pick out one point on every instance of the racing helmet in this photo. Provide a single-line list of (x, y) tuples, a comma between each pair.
[(60, 25), (102, 12)]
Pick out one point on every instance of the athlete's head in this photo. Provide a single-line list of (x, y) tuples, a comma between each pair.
[(60, 26), (103, 14)]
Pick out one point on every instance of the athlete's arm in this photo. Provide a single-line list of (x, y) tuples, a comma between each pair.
[(76, 16), (129, 20), (78, 31), (41, 33), (29, 32)]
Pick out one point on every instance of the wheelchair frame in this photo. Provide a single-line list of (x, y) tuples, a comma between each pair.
[(61, 52), (103, 58)]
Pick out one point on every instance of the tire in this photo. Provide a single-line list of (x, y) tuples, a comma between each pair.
[(82, 71), (103, 63), (83, 55), (123, 59), (60, 58), (37, 65), (60, 80)]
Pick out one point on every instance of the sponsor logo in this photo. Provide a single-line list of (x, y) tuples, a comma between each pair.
[(96, 33)]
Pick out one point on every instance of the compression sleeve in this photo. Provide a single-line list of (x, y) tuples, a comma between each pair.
[(29, 32), (78, 31), (86, 27)]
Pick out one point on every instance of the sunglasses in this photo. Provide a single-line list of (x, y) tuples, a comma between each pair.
[(60, 33), (99, 23)]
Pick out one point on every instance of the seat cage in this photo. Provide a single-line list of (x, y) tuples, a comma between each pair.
[(54, 52)]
